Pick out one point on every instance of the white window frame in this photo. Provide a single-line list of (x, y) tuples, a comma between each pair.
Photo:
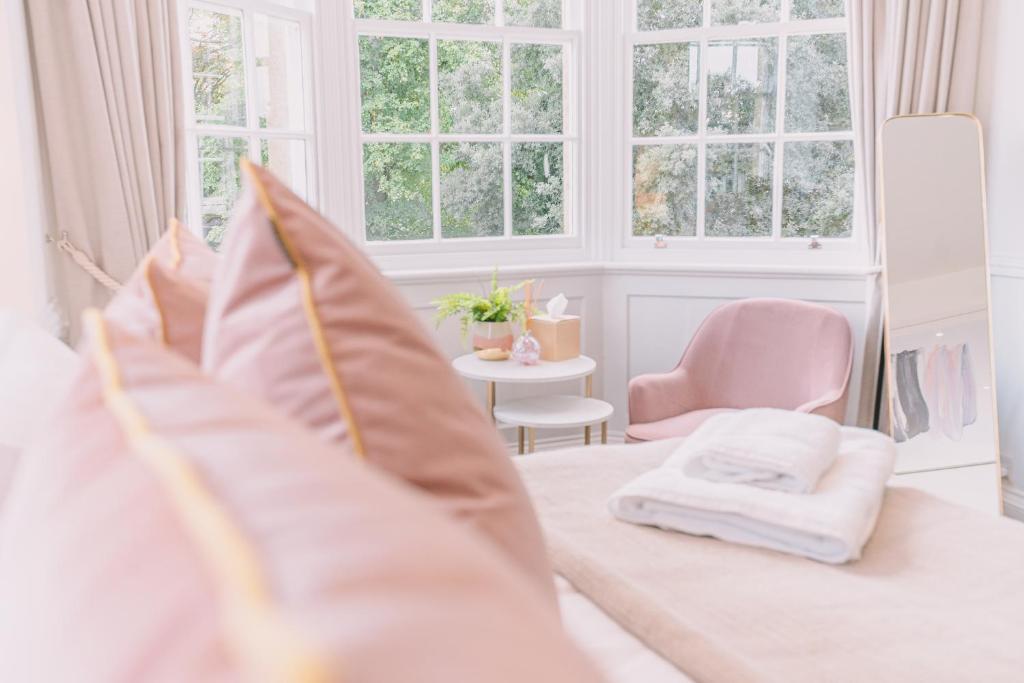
[(569, 39), (251, 131), (704, 34)]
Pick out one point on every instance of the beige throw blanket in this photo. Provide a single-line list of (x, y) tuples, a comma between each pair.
[(937, 596)]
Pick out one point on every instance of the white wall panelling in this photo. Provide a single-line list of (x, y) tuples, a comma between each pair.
[(638, 318), (1000, 101)]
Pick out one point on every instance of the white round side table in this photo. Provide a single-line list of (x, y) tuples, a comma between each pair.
[(531, 414)]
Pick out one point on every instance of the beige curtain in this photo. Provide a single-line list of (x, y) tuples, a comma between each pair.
[(906, 57), (108, 100)]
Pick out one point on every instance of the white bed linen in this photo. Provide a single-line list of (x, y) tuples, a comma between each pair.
[(619, 654)]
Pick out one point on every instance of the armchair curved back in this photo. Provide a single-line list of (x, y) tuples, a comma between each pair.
[(772, 353)]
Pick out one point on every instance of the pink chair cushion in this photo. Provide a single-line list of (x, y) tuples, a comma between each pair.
[(679, 425), (299, 316), (165, 299), (168, 528)]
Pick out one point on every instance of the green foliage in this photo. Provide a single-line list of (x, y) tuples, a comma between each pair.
[(464, 11), (496, 307), (661, 14), (410, 10)]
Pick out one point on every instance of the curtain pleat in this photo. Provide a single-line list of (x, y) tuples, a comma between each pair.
[(109, 103)]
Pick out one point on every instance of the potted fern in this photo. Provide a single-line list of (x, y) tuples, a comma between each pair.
[(490, 316)]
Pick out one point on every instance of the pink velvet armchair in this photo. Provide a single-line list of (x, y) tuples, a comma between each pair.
[(753, 353)]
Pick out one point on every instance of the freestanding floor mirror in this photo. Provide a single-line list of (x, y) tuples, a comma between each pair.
[(941, 382)]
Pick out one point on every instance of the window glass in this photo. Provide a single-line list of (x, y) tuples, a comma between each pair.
[(397, 189), (539, 13), (537, 189), (817, 194), (665, 190), (739, 190), (741, 85), (464, 11), (537, 88), (744, 11), (389, 9), (666, 99), (280, 101), (472, 192), (818, 97), (818, 9), (218, 75), (220, 180), (395, 84), (469, 86), (652, 15)]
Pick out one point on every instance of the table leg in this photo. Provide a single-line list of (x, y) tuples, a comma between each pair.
[(588, 391), (522, 439), (492, 395), (604, 432), (533, 440)]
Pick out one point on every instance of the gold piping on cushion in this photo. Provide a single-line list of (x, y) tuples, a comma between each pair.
[(174, 227), (316, 328), (268, 646), (148, 272)]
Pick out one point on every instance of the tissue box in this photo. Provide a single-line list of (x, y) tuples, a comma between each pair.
[(559, 337)]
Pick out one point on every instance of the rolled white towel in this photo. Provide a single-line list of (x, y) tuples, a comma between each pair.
[(773, 449), (830, 525)]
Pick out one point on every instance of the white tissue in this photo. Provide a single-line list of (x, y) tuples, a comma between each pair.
[(556, 306)]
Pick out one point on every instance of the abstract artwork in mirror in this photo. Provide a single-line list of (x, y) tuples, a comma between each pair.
[(939, 352)]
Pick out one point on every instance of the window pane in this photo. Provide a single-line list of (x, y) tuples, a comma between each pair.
[(741, 85), (469, 86), (536, 88), (665, 190), (472, 191), (397, 186), (817, 87), (464, 11), (395, 84), (389, 9), (540, 13), (537, 195), (665, 89), (739, 190), (220, 182), (218, 79), (818, 9), (817, 193), (287, 160), (744, 11), (659, 14), (280, 102)]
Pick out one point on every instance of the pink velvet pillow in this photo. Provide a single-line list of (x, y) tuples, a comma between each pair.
[(165, 299), (171, 529), (299, 316)]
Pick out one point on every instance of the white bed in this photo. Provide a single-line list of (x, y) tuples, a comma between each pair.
[(619, 654)]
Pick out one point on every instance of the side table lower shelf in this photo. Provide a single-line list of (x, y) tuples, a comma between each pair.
[(554, 412)]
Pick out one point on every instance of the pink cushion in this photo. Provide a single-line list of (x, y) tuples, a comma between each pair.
[(679, 425), (299, 316), (171, 529), (165, 299)]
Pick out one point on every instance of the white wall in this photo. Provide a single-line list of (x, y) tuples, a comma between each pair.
[(1000, 105), (21, 269)]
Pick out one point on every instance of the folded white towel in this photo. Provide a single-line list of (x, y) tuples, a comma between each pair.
[(774, 449), (830, 525)]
